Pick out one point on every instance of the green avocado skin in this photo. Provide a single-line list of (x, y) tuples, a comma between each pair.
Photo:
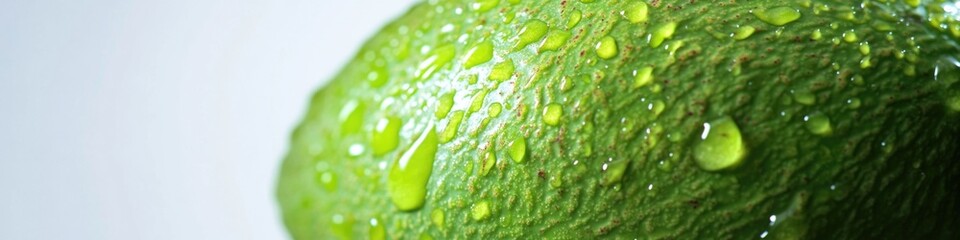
[(883, 74)]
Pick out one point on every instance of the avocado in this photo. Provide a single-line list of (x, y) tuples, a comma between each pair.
[(523, 119)]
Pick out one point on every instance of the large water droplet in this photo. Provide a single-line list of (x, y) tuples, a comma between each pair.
[(574, 19), (613, 172), (479, 54), (642, 77), (606, 47), (778, 16), (532, 31), (351, 117), (477, 103), (407, 182), (453, 125), (494, 110), (818, 123), (555, 39), (661, 33), (502, 71), (552, 114), (721, 146), (744, 32), (437, 59), (487, 161), (636, 12), (444, 104), (804, 97), (518, 149), (386, 135)]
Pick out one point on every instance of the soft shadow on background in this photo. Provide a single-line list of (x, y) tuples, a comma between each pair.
[(160, 119)]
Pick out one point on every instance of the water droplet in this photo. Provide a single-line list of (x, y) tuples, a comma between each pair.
[(661, 33), (494, 109), (377, 230), (865, 62), (721, 146), (552, 113), (657, 107), (437, 59), (450, 130), (532, 31), (502, 71), (850, 36), (804, 97), (574, 19), (642, 77), (557, 181), (484, 5), (613, 172), (479, 54), (566, 84), (480, 210), (865, 48), (816, 35), (328, 180), (487, 161), (912, 3), (377, 76), (636, 12), (351, 117), (386, 135), (437, 217), (744, 32), (853, 103), (555, 39), (478, 99), (444, 104), (342, 226), (587, 1), (953, 103), (819, 124), (778, 16), (407, 182), (518, 149), (606, 47)]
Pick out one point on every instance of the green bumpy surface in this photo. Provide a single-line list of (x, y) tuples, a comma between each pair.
[(519, 119)]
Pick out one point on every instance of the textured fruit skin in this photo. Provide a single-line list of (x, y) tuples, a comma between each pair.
[(888, 170)]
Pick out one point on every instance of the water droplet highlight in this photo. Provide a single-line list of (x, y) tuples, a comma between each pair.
[(377, 230), (407, 182), (721, 146)]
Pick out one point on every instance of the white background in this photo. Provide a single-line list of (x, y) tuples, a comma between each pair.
[(160, 119)]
